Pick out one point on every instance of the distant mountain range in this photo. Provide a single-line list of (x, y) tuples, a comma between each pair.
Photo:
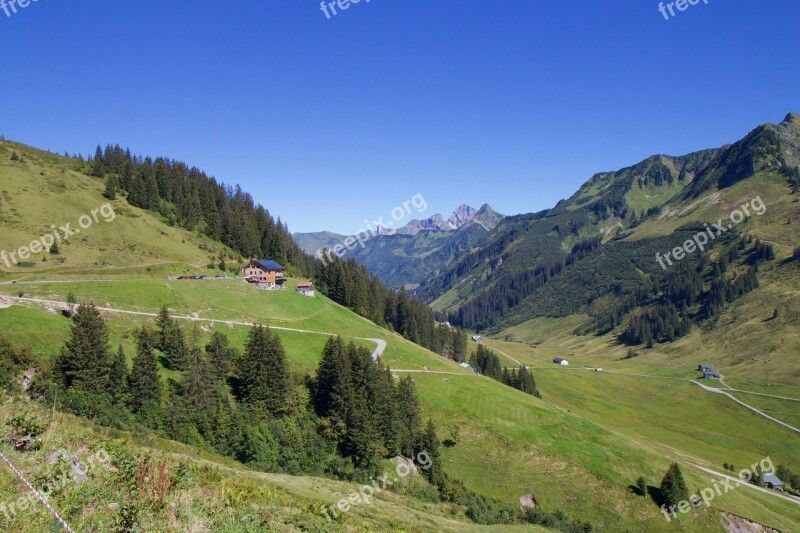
[(415, 252), (590, 260)]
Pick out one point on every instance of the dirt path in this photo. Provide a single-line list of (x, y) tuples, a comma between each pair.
[(739, 482), (765, 415), (381, 344)]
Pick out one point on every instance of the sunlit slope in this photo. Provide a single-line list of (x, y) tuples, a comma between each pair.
[(42, 190)]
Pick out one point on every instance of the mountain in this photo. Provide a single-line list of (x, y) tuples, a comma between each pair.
[(591, 260), (417, 251), (311, 242), (575, 453)]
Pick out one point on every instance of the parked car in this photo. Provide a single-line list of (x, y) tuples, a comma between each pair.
[(219, 277)]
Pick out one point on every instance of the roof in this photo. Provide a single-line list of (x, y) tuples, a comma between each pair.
[(710, 374), (305, 285), (268, 264), (559, 360), (706, 365), (772, 479)]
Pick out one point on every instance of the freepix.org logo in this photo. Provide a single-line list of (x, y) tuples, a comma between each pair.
[(668, 10), (9, 7)]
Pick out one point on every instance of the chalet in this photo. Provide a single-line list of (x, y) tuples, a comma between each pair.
[(265, 272), (306, 288), (709, 375), (560, 361), (477, 338), (705, 367), (772, 481)]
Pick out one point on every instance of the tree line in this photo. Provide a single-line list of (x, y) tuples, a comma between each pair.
[(350, 284), (188, 197), (485, 361), (342, 422)]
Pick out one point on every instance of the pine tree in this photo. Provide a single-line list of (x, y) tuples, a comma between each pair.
[(197, 385), (145, 382), (429, 444), (641, 486), (83, 363), (111, 188), (263, 373), (409, 416), (331, 389), (54, 249), (172, 341), (118, 377), (219, 356), (673, 487), (98, 167)]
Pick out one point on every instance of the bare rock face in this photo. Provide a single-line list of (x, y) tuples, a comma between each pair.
[(737, 524), (527, 501), (462, 215), (77, 472)]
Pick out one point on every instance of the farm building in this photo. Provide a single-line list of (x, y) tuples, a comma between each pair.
[(772, 481), (705, 367), (560, 361), (306, 288), (477, 338), (709, 375), (265, 272)]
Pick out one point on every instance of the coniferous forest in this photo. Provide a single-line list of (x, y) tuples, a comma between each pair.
[(344, 422)]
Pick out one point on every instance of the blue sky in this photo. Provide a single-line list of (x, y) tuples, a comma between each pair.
[(328, 122)]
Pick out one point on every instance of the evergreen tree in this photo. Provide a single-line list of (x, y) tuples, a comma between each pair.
[(263, 373), (641, 486), (673, 487), (331, 392), (54, 250), (171, 341), (83, 363), (145, 381), (219, 356), (118, 377), (197, 386), (429, 444), (97, 163), (111, 188), (409, 416)]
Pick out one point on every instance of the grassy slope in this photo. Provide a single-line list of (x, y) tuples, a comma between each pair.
[(509, 443)]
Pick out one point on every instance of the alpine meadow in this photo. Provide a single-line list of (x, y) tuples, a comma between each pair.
[(405, 268)]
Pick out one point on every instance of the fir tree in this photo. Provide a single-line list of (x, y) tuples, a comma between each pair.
[(263, 373), (83, 363), (219, 356), (673, 487), (171, 341), (145, 381), (409, 416), (118, 377), (54, 249), (429, 444), (197, 385), (111, 188), (641, 486)]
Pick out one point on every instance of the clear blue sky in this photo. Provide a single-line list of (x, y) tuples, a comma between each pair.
[(330, 122)]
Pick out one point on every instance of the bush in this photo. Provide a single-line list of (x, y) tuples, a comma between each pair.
[(24, 431)]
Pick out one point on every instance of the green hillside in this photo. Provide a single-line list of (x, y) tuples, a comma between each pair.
[(577, 450)]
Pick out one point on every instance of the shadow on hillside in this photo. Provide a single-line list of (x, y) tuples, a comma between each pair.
[(656, 495)]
